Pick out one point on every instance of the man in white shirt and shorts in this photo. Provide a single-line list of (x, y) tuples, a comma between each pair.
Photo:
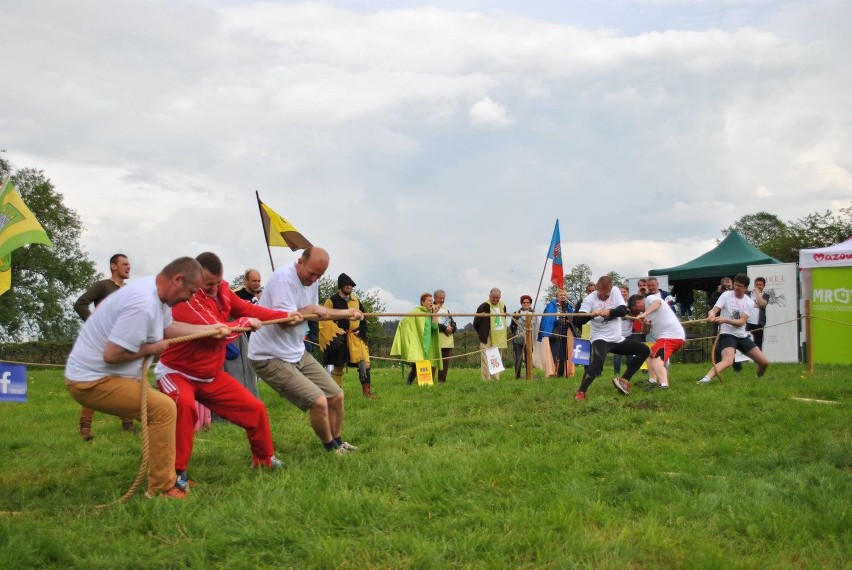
[(731, 312)]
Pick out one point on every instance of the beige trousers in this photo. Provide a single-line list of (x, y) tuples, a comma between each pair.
[(121, 397)]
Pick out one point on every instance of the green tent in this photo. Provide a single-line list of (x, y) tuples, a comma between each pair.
[(730, 257)]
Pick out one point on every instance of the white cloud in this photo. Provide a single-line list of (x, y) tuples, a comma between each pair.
[(158, 125), (489, 113)]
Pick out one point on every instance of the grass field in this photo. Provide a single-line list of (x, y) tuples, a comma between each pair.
[(508, 474)]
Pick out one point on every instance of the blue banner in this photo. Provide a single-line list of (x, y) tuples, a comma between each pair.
[(581, 352), (13, 382)]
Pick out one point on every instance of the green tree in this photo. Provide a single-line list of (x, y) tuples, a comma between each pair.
[(370, 299), (45, 282), (783, 240), (823, 229), (758, 228)]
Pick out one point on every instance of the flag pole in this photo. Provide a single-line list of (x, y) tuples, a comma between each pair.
[(540, 281), (262, 227), (553, 252)]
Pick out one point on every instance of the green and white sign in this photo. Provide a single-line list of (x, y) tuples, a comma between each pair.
[(831, 306)]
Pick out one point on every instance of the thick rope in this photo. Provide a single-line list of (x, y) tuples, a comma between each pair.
[(143, 416), (143, 406), (143, 411)]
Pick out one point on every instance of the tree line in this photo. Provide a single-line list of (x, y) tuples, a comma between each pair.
[(45, 282)]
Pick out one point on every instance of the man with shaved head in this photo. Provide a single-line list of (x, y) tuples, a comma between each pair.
[(278, 354)]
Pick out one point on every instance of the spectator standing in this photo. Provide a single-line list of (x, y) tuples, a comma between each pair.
[(119, 267)]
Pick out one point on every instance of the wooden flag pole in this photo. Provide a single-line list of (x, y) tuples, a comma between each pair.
[(540, 281), (265, 235)]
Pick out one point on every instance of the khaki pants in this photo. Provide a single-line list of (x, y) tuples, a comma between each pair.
[(121, 397)]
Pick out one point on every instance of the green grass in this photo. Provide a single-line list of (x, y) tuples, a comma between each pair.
[(508, 474)]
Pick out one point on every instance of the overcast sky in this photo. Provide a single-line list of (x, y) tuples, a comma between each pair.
[(429, 144)]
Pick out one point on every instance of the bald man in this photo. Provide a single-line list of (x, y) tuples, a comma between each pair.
[(278, 354)]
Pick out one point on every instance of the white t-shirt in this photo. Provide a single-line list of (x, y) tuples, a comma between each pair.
[(754, 314), (132, 316), (664, 323), (284, 292), (602, 329), (733, 308)]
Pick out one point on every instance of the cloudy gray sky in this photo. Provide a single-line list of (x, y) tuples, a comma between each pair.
[(430, 144)]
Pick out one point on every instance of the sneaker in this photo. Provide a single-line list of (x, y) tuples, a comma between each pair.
[(86, 434), (579, 396), (656, 386), (348, 446), (621, 385), (274, 463), (340, 451), (183, 481), (704, 380), (648, 385), (173, 493)]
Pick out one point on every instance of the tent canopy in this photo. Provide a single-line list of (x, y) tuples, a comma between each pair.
[(837, 255), (733, 255)]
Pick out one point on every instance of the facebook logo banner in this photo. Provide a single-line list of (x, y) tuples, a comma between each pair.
[(581, 353), (13, 382)]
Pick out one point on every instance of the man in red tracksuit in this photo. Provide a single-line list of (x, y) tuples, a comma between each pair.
[(191, 372)]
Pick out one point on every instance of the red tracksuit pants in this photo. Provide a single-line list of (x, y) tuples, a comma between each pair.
[(226, 398)]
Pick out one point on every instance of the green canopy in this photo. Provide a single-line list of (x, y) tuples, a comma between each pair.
[(730, 257)]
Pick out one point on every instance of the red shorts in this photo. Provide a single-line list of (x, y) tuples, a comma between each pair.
[(666, 347)]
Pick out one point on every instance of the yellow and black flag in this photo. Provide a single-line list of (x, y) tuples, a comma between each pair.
[(18, 226), (278, 231)]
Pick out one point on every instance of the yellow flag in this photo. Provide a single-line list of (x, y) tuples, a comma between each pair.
[(5, 273), (279, 232), (18, 226)]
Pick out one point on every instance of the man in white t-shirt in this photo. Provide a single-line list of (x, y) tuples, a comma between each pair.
[(105, 364), (278, 354), (731, 312), (664, 328), (606, 308)]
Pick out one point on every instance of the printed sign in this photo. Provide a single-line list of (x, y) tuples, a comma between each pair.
[(831, 307), (581, 353), (13, 382), (424, 372), (495, 361), (781, 336)]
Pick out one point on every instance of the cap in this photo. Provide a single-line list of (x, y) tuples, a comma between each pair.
[(343, 280)]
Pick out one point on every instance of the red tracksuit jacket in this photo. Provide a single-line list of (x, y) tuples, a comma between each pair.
[(204, 358)]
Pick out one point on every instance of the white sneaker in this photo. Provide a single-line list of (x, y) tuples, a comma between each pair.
[(348, 446), (704, 380), (341, 451)]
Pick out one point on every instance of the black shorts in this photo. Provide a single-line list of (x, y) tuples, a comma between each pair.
[(743, 344)]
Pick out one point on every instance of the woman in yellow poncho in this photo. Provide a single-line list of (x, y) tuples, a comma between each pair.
[(416, 337)]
